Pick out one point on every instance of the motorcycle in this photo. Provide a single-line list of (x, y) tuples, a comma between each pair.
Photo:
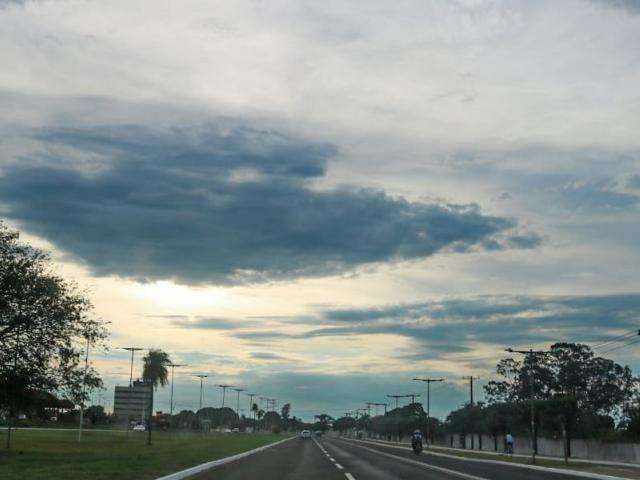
[(416, 444)]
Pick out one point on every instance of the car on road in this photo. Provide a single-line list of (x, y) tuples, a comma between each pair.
[(139, 428), (305, 434)]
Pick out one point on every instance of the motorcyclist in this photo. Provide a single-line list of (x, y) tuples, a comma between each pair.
[(416, 441)]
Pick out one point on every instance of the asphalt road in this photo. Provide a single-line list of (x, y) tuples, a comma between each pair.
[(338, 459)]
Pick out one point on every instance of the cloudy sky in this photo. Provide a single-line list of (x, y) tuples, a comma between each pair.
[(319, 201)]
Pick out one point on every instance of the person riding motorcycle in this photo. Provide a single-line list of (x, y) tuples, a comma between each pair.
[(416, 441)]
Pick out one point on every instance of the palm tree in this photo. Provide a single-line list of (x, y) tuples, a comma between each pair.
[(155, 372)]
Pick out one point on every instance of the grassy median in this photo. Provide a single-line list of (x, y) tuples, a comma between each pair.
[(55, 455)]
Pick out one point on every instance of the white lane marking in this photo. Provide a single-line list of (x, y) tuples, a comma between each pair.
[(349, 476), (332, 459), (466, 476), (339, 466)]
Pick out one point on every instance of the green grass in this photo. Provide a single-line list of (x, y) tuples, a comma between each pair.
[(36, 455)]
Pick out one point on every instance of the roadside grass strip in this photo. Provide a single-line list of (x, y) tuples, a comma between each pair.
[(560, 471), (216, 463)]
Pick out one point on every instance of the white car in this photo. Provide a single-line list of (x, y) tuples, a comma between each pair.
[(305, 434), (139, 428)]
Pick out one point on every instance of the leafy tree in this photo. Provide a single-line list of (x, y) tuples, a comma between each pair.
[(343, 424), (155, 372), (323, 422), (580, 388), (95, 414), (45, 325)]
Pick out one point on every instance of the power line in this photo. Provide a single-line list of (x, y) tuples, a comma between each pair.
[(630, 333), (633, 342)]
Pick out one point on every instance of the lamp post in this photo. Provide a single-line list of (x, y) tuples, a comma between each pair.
[(173, 367), (201, 377), (238, 390), (224, 391)]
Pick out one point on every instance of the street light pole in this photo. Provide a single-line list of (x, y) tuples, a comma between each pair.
[(201, 377), (132, 350), (224, 391), (173, 366), (429, 381), (238, 390)]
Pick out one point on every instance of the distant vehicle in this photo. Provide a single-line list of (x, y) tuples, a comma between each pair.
[(139, 428), (235, 430), (318, 433), (305, 434)]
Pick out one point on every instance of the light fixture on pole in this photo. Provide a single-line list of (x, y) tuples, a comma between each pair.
[(132, 350), (224, 392), (238, 390), (173, 366), (201, 376)]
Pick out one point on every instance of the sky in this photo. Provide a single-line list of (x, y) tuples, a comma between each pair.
[(320, 201)]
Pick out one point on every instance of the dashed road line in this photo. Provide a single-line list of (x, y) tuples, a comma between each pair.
[(333, 460)]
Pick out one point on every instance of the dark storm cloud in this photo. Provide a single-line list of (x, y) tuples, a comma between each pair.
[(222, 205), (459, 325)]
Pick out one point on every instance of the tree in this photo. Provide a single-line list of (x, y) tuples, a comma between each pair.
[(155, 372), (284, 413), (95, 414), (45, 324), (323, 422), (579, 387), (343, 424)]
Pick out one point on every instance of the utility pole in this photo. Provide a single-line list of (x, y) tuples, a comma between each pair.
[(132, 350), (471, 378), (529, 355), (224, 391), (201, 377), (173, 366), (429, 381)]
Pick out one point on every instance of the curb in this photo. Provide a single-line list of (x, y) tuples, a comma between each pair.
[(559, 471), (216, 463)]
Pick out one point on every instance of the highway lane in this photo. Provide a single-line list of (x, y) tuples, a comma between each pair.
[(367, 453), (299, 458), (330, 458), (310, 459)]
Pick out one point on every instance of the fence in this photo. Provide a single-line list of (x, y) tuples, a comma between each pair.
[(580, 448)]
